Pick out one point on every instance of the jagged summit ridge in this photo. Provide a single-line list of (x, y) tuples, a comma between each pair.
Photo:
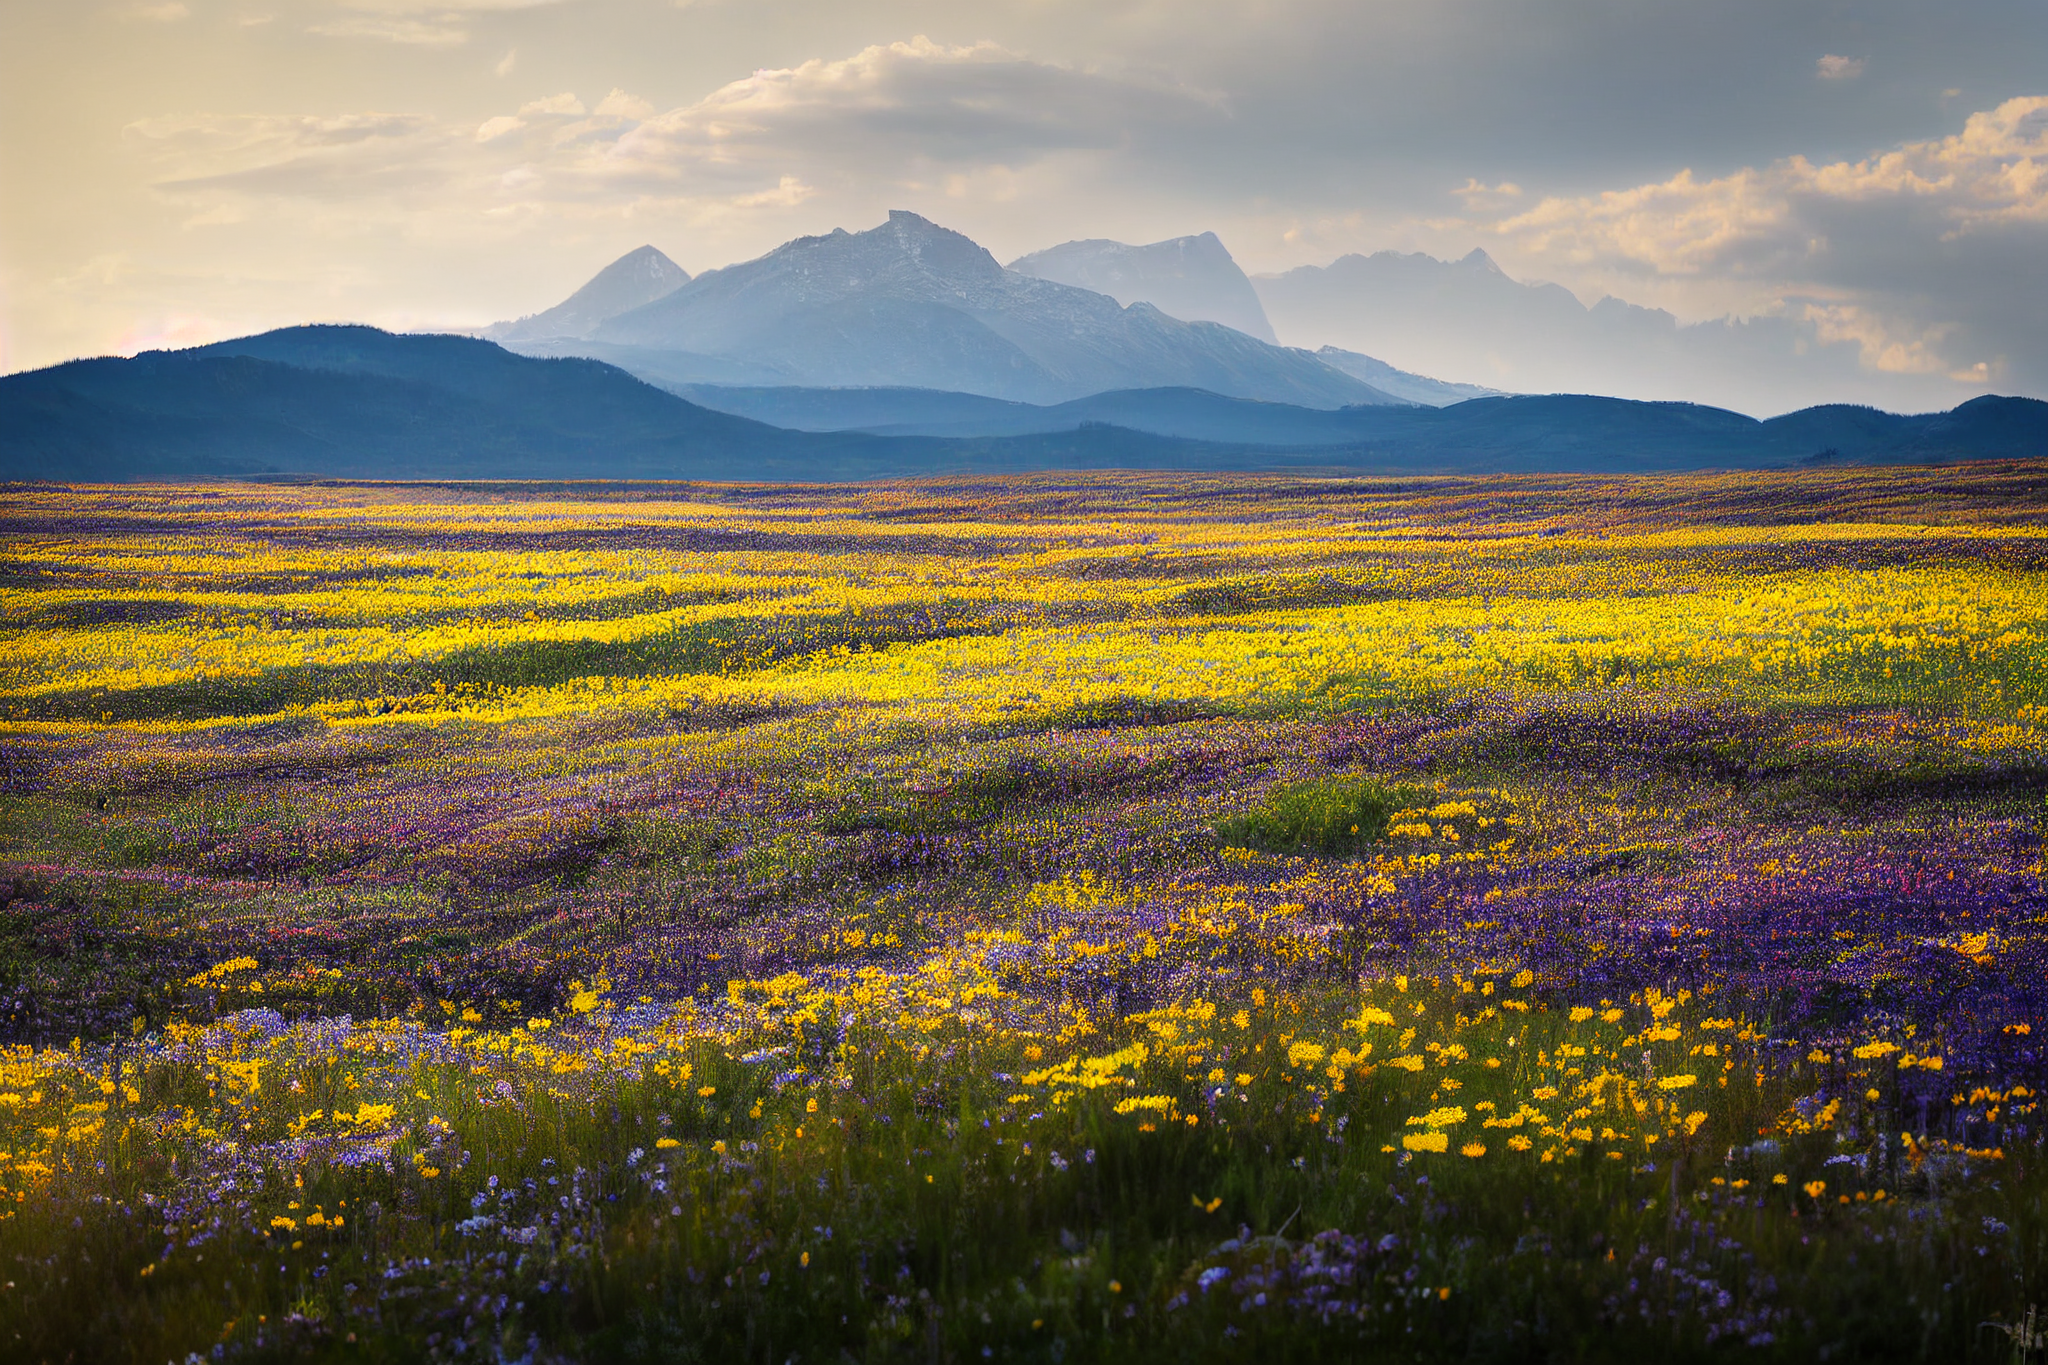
[(911, 303), (1193, 277)]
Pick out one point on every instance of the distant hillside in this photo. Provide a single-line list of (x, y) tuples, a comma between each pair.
[(1194, 414), (911, 304), (1572, 431), (357, 402), (1565, 430), (1191, 278)]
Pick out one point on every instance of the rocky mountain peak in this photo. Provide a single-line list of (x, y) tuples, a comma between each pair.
[(1192, 278), (634, 280)]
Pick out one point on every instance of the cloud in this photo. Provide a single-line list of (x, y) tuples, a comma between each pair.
[(892, 119), (564, 103), (788, 193), (1835, 68), (204, 157), (1481, 197), (168, 13), (1993, 172), (396, 29), (901, 110), (430, 23), (619, 104), (507, 62), (1918, 254)]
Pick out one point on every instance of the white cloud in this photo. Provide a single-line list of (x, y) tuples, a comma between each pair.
[(507, 62), (387, 28), (898, 118), (203, 159), (554, 104), (619, 104), (1887, 345), (1482, 197), (1994, 171), (899, 110), (200, 142), (432, 23), (1837, 68), (1895, 251), (168, 13), (788, 193)]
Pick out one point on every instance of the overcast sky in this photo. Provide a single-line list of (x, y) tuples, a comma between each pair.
[(174, 171)]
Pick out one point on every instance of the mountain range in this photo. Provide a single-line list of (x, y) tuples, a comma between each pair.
[(1195, 414), (1195, 278), (912, 304), (355, 402), (907, 349), (1469, 318)]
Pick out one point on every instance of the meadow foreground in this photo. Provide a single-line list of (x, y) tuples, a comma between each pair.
[(1057, 918)]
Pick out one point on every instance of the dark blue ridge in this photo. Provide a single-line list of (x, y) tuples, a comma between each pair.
[(356, 402)]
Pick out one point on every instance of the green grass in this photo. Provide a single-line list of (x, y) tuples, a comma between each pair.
[(899, 1204), (1338, 818)]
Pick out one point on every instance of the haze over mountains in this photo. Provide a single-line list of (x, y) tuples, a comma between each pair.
[(911, 304), (1401, 384), (1187, 277), (908, 349), (635, 279), (354, 402), (1470, 319)]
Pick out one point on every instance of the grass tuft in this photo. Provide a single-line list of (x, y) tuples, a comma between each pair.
[(1338, 818)]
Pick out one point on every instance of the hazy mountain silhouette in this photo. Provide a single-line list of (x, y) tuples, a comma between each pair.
[(1470, 319), (357, 402), (1196, 278), (1191, 278), (1194, 414), (637, 278), (1411, 388), (912, 304)]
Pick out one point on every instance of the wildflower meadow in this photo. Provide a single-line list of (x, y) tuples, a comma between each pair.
[(1057, 918)]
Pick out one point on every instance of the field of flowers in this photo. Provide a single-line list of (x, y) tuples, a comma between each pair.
[(1052, 918)]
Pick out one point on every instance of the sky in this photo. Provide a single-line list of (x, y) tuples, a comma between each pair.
[(179, 171)]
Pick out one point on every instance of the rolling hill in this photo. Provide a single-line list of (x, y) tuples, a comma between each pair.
[(354, 402)]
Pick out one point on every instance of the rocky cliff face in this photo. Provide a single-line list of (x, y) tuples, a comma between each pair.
[(911, 303), (1192, 278)]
